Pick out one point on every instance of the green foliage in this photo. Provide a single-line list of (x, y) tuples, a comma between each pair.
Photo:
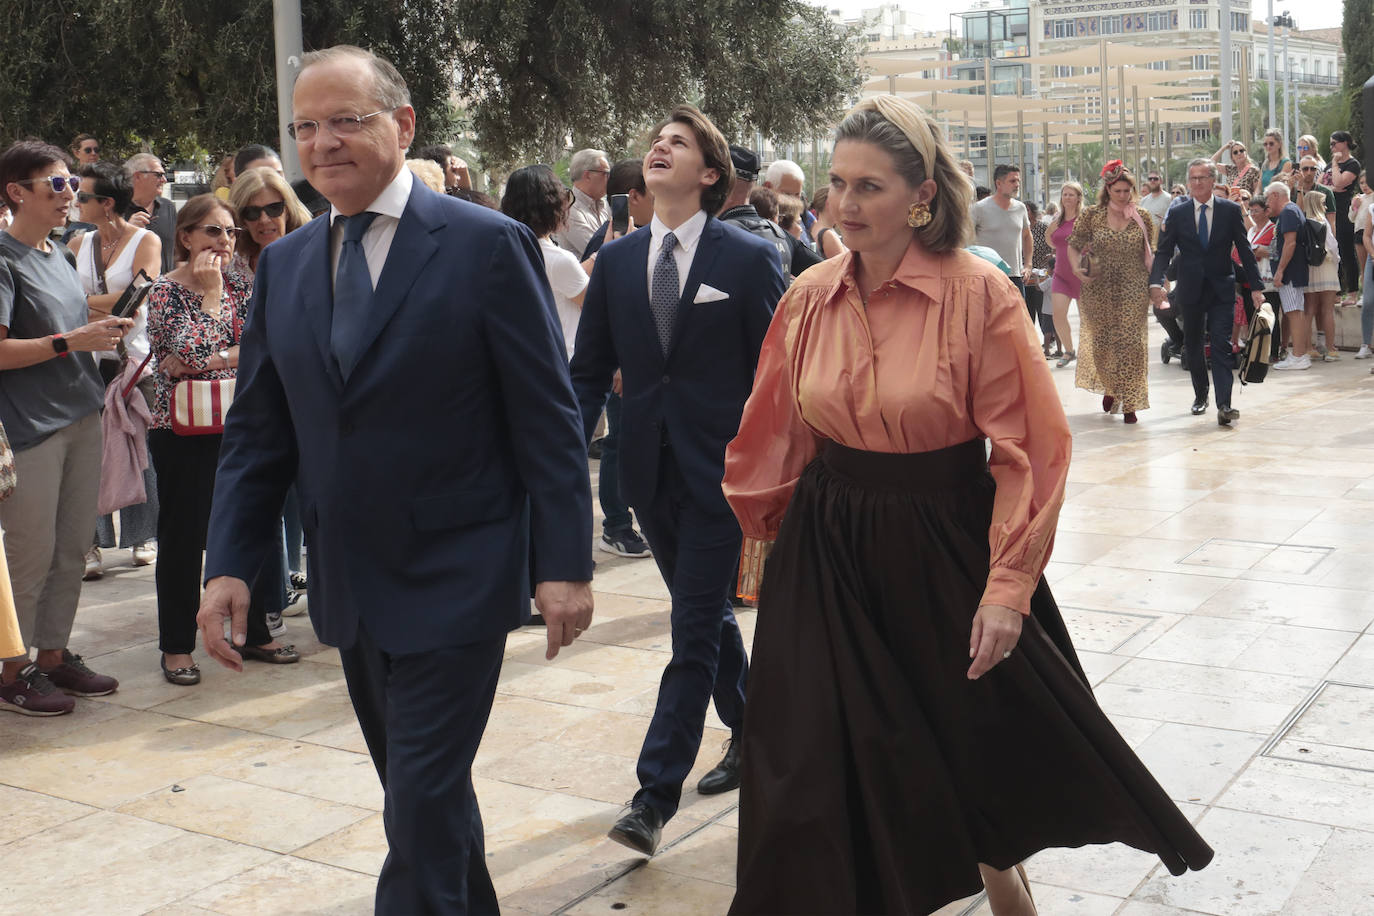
[(1357, 35)]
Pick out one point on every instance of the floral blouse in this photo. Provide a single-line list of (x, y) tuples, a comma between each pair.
[(177, 327)]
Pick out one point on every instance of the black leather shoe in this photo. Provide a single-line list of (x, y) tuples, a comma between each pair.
[(640, 830), (1200, 406), (1226, 414), (725, 775)]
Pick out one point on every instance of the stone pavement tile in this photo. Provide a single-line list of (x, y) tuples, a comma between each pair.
[(651, 890), (1340, 880), (599, 659), (246, 813), (283, 700), (517, 721), (1131, 498), (1054, 901), (112, 763), (109, 863), (346, 736), (1194, 763), (56, 729), (554, 683), (567, 769), (1259, 862), (1200, 525), (359, 847), (1204, 641), (1326, 795), (1115, 870), (1099, 665), (107, 627), (1303, 651), (1134, 730), (1317, 606), (288, 885), (344, 777), (24, 813), (1136, 908), (1191, 708), (1210, 681), (1136, 590), (1165, 477), (1104, 520), (1184, 557), (708, 853)]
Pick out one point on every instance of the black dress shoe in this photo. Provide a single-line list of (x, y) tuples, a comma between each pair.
[(1200, 406), (725, 775), (640, 830), (1226, 414)]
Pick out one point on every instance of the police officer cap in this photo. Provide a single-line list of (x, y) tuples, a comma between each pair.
[(746, 163)]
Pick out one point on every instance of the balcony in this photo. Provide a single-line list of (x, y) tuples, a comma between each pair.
[(1297, 76)]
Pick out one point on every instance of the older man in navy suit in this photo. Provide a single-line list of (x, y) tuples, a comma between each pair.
[(1204, 228), (403, 363), (681, 308)]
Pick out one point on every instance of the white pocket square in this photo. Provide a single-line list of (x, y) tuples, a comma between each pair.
[(709, 294)]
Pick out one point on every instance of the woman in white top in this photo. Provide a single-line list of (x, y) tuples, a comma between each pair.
[(123, 250), (535, 197), (1363, 207)]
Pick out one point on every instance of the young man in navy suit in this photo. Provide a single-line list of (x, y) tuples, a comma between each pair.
[(1204, 228), (403, 363), (681, 308)]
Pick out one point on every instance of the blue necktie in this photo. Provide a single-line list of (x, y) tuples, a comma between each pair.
[(352, 293), (1202, 235), (664, 293)]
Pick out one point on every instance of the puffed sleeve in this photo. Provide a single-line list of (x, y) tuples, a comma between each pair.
[(1016, 405), (772, 448)]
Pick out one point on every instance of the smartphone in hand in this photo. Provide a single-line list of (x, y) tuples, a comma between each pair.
[(620, 214)]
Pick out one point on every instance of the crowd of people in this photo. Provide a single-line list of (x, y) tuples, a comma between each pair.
[(789, 389)]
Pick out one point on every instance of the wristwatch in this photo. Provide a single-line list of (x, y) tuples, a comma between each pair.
[(224, 355), (59, 345)]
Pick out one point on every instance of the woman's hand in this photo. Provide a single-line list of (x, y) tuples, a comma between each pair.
[(104, 334), (207, 269), (173, 367), (996, 630)]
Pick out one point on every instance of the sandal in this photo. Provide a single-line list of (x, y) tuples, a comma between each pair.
[(1068, 357)]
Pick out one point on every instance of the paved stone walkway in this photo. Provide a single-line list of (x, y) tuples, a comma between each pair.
[(1217, 583)]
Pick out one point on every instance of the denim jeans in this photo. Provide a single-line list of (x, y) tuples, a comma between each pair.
[(617, 512)]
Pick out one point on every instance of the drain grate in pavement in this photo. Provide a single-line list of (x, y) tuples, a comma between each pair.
[(1103, 631), (1334, 727)]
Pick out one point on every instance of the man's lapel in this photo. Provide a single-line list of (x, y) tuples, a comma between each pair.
[(708, 247), (316, 288)]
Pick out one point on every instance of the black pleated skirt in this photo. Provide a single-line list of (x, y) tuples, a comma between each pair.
[(876, 776)]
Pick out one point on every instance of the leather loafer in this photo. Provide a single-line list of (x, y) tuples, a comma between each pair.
[(282, 655), (183, 677), (640, 830), (1226, 414), (1200, 406), (725, 775)]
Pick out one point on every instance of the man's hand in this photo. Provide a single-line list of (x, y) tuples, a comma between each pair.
[(1257, 298), (567, 610), (225, 598), (1278, 278), (617, 384), (140, 218), (996, 630), (1158, 299)]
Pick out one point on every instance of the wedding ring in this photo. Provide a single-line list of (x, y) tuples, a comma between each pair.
[(1006, 655)]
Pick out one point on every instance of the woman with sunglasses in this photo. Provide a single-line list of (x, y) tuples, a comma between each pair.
[(1276, 162), (107, 260), (1236, 166), (195, 320), (269, 210), (1342, 177), (50, 399)]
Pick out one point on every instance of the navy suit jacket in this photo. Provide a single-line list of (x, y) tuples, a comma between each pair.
[(693, 397), (1205, 277), (423, 475)]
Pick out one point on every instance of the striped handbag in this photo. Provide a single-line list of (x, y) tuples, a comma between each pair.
[(199, 406)]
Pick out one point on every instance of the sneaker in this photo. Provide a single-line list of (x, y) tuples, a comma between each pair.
[(1364, 352), (1297, 362), (94, 566), (1285, 363), (275, 625), (1331, 356), (628, 544), (145, 554), (74, 678), (32, 694), (294, 607), (298, 581)]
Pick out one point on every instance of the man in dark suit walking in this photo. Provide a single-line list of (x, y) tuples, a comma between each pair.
[(404, 365), (681, 308), (1204, 228)]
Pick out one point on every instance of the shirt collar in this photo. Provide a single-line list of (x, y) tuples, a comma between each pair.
[(687, 235), (1206, 203), (919, 269), (587, 201), (391, 202)]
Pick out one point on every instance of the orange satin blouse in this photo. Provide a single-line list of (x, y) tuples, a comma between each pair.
[(943, 352)]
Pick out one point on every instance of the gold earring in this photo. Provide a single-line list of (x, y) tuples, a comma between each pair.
[(918, 216)]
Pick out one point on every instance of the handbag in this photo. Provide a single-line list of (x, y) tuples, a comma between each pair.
[(8, 479), (199, 406)]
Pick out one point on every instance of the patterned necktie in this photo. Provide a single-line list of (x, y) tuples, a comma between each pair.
[(664, 293), (1202, 235), (352, 293)]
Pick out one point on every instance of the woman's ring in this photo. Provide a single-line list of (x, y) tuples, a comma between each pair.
[(1006, 655)]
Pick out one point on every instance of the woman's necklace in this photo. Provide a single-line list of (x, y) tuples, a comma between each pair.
[(115, 235)]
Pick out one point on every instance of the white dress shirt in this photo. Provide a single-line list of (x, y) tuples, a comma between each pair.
[(687, 235), (1210, 204), (388, 206)]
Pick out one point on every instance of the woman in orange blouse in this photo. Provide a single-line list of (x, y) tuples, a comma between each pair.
[(883, 771)]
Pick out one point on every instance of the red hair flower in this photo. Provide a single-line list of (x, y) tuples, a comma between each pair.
[(1113, 166)]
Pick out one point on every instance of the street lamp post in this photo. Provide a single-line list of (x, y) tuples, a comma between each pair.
[(1224, 12), (1273, 70), (287, 32)]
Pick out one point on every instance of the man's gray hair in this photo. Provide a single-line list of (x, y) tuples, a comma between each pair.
[(781, 167), (141, 162), (388, 86), (1279, 188), (584, 160), (1208, 163)]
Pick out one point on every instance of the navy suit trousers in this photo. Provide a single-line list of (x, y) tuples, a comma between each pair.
[(422, 716), (697, 551), (1216, 316)]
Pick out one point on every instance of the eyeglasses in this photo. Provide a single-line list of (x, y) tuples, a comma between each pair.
[(85, 197), (160, 176), (1303, 146), (217, 232), (90, 149), (1308, 168), (1237, 152), (598, 172), (273, 210), (339, 125), (59, 182)]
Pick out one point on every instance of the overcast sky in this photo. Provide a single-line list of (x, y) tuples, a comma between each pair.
[(934, 14)]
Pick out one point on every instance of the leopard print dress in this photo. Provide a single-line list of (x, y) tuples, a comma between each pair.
[(1114, 310)]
